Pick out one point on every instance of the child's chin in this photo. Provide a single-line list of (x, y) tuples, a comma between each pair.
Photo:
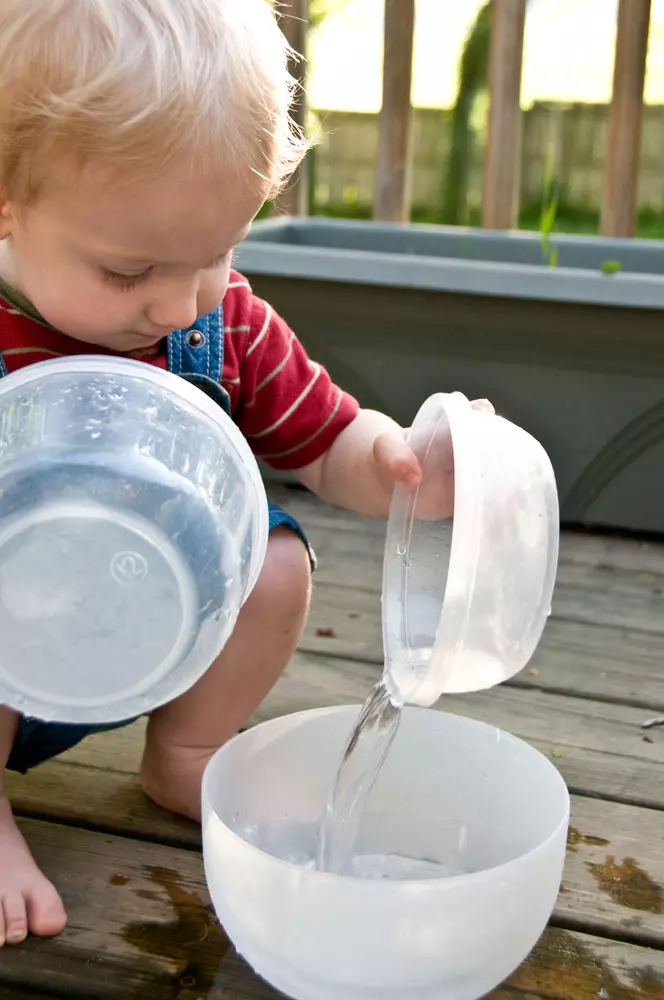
[(124, 342)]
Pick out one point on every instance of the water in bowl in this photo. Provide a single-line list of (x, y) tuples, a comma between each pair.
[(91, 541), (363, 758), (330, 845), (297, 843), (366, 751)]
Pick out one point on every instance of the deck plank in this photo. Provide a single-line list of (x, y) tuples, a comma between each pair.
[(603, 640), (597, 549), (601, 581), (16, 992), (575, 657), (603, 895), (585, 592), (568, 966), (141, 927), (599, 746), (132, 875)]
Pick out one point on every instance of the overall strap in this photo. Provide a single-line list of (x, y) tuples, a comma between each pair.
[(3, 366), (197, 355)]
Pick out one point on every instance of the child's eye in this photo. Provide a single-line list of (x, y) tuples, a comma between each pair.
[(124, 281)]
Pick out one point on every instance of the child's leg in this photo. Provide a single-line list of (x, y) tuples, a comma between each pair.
[(28, 901), (183, 735)]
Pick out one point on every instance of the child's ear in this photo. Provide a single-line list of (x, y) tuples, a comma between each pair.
[(6, 216)]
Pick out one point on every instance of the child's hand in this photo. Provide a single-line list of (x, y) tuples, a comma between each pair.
[(398, 463), (369, 458)]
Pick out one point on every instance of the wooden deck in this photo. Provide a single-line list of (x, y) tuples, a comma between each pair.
[(141, 927)]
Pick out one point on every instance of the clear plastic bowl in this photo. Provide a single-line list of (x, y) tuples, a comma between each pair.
[(467, 591), (452, 791), (133, 525)]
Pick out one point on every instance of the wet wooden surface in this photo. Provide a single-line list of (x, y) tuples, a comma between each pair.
[(140, 920)]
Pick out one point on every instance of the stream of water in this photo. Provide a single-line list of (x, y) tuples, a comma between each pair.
[(363, 758)]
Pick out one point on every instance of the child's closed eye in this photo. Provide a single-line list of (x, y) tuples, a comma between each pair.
[(125, 282)]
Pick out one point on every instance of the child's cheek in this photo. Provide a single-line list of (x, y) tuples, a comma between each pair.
[(212, 289)]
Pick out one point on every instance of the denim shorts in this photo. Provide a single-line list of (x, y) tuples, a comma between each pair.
[(38, 741)]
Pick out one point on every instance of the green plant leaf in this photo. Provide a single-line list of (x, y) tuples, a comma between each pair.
[(610, 266)]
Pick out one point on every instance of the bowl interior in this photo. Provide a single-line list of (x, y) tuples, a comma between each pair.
[(453, 791), (126, 495)]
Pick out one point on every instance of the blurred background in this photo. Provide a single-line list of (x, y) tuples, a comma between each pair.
[(566, 87)]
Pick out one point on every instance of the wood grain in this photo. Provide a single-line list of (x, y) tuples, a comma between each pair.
[(131, 873), (599, 747), (140, 925)]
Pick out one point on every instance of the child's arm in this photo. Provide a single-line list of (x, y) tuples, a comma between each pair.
[(289, 409), (361, 467), (368, 458)]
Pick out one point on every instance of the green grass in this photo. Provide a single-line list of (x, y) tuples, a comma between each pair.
[(568, 218)]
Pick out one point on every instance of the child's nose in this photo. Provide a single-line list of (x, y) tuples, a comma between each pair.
[(177, 309)]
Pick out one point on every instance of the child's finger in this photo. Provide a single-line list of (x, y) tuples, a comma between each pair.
[(483, 406), (397, 460)]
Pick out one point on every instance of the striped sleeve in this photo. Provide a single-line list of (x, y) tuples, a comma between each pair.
[(290, 410)]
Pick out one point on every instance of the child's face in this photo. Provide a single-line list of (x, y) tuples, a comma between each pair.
[(119, 264)]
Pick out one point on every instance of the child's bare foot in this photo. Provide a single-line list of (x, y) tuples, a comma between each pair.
[(29, 904)]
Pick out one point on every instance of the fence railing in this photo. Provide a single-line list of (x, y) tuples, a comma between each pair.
[(566, 142), (395, 173)]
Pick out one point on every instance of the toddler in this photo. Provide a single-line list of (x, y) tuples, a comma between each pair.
[(138, 140)]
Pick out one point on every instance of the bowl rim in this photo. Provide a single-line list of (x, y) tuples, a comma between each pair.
[(378, 885)]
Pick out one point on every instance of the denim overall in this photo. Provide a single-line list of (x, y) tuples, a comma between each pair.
[(197, 355)]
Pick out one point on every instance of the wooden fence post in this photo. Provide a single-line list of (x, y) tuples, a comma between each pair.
[(623, 144), (393, 168), (294, 22), (502, 167)]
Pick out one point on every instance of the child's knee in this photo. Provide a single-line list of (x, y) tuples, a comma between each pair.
[(284, 584)]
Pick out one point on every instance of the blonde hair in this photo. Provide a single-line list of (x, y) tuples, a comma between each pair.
[(138, 83)]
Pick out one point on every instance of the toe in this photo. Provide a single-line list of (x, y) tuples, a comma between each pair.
[(15, 918), (46, 911)]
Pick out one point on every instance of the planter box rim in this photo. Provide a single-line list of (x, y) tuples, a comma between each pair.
[(294, 223), (447, 274)]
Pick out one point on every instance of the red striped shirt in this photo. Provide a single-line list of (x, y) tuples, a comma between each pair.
[(286, 405)]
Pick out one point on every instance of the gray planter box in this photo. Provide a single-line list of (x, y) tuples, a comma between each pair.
[(570, 352)]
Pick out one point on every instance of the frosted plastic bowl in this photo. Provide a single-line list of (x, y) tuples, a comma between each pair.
[(452, 791), (467, 588), (133, 525)]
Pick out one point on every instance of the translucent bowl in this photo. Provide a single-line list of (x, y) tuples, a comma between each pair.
[(133, 525), (468, 580), (452, 791)]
